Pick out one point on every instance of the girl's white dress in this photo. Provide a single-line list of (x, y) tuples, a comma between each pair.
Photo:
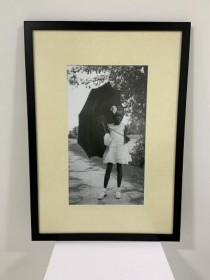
[(117, 151)]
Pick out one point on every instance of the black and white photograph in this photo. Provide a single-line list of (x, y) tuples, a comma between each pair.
[(106, 134)]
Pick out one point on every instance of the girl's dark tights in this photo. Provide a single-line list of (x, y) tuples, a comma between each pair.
[(108, 172), (119, 174)]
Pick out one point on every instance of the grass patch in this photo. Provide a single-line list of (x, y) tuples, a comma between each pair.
[(133, 174)]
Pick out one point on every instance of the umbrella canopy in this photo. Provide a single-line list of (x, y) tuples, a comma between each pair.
[(95, 112)]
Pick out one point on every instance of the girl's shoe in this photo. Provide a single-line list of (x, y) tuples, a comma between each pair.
[(118, 194), (102, 195)]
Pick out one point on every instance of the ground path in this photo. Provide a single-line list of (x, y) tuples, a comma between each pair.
[(86, 181)]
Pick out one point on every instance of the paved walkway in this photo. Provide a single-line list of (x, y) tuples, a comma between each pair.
[(86, 182)]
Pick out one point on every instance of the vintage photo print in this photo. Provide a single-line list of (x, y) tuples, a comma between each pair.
[(106, 134)]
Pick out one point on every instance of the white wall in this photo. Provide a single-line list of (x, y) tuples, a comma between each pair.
[(22, 259)]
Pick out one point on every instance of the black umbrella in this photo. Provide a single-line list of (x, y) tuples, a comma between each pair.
[(96, 112)]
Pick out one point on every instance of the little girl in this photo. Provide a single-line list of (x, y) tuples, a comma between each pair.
[(117, 151)]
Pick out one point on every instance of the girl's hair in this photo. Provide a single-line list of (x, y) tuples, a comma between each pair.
[(119, 110)]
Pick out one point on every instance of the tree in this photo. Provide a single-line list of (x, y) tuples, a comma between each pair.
[(138, 153), (131, 80), (73, 133)]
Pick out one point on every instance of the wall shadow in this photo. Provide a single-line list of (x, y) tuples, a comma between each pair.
[(35, 256), (173, 250)]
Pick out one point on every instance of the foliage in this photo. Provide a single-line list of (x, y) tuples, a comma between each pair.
[(138, 153), (137, 130)]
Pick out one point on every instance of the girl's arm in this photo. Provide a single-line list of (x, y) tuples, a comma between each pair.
[(105, 127)]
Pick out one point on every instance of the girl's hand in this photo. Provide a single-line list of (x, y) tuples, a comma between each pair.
[(126, 139), (105, 127)]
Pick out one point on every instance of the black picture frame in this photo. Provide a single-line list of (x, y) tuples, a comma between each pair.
[(29, 28)]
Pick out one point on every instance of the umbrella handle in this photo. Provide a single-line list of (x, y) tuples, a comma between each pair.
[(104, 127)]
